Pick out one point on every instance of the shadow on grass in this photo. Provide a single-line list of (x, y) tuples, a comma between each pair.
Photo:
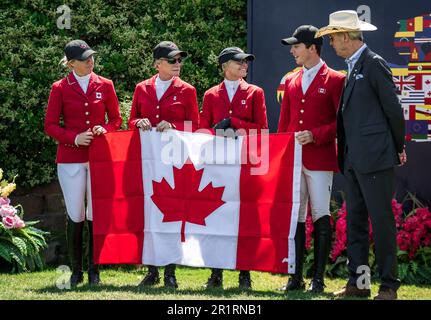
[(162, 291), (209, 293)]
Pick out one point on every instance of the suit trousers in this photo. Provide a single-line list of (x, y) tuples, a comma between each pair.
[(370, 195)]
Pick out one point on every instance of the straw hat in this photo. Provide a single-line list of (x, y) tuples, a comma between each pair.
[(345, 21)]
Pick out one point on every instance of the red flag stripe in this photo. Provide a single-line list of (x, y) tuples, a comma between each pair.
[(118, 198), (269, 208)]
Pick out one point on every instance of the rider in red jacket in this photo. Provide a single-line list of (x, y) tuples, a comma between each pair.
[(77, 107), (309, 108), (237, 105)]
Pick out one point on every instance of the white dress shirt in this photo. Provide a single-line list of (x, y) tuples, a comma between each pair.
[(354, 58), (308, 75), (231, 87), (83, 81), (162, 86)]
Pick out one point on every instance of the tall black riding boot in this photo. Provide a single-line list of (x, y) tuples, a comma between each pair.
[(296, 281), (216, 279), (244, 279), (169, 278), (74, 248), (151, 278), (322, 247), (93, 269)]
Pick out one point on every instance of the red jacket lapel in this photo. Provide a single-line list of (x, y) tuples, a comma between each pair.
[(239, 94), (297, 81), (71, 80), (93, 84), (175, 85), (223, 93), (318, 79), (150, 86)]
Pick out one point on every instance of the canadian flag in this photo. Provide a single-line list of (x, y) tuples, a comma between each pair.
[(195, 199)]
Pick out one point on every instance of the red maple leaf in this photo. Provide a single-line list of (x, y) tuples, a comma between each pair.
[(185, 202)]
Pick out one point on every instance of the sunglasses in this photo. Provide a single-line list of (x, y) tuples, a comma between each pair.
[(241, 62), (173, 60)]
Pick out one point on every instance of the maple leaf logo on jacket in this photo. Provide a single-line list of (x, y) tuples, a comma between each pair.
[(185, 202)]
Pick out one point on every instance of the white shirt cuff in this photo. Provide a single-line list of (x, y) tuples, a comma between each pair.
[(76, 140)]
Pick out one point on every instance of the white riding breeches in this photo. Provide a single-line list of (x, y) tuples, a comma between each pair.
[(74, 180), (316, 186)]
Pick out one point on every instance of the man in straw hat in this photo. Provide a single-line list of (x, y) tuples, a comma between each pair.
[(370, 138)]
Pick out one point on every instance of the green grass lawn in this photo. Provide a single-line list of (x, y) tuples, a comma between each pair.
[(120, 283)]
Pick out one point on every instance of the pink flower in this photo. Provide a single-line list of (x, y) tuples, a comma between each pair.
[(397, 209), (4, 201), (340, 234), (308, 231), (11, 222), (8, 222), (7, 210), (403, 240), (18, 223), (413, 232)]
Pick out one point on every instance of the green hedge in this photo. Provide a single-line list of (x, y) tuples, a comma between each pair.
[(124, 33)]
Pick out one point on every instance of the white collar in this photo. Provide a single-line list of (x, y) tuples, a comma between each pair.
[(163, 82), (354, 57), (313, 70), (83, 78), (231, 83)]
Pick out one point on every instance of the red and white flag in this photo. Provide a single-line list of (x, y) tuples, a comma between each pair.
[(195, 199)]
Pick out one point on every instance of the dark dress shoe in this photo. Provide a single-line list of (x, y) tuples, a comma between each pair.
[(293, 284), (244, 280), (150, 279), (76, 278), (214, 281), (386, 294), (316, 286), (170, 282), (93, 278), (352, 291)]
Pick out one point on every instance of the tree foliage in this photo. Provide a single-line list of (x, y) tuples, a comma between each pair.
[(123, 33)]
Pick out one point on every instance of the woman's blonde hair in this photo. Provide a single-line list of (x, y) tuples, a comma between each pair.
[(224, 66), (66, 63)]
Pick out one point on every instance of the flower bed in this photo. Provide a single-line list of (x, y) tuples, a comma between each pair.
[(21, 244), (413, 239)]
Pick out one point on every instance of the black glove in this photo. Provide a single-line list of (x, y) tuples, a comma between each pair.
[(224, 124), (224, 129)]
